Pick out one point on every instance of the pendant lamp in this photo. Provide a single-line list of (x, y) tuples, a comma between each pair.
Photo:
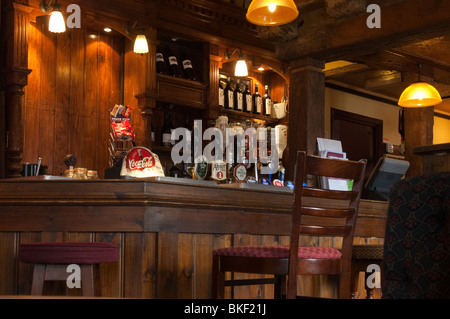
[(271, 12), (419, 94)]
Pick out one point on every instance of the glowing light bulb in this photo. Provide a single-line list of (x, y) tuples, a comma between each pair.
[(272, 7)]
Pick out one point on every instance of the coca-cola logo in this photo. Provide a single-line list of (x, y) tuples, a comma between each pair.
[(140, 159)]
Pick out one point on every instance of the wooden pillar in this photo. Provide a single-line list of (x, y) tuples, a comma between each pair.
[(15, 73), (306, 108), (418, 123), (146, 100), (213, 80)]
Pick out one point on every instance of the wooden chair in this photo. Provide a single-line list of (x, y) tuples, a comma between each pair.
[(332, 214), (51, 260)]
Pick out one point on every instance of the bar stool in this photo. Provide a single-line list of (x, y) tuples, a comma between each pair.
[(362, 257), (51, 259)]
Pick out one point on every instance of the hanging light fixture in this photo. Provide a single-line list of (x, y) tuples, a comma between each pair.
[(241, 66), (140, 44), (419, 94), (56, 22), (271, 12)]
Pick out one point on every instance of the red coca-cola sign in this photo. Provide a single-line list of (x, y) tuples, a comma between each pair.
[(139, 158)]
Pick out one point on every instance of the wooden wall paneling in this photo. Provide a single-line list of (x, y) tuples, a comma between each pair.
[(134, 84), (77, 64), (62, 112), (25, 270), (90, 112), (32, 94)]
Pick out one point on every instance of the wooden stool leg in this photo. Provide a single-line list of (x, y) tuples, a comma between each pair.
[(87, 280), (218, 280), (37, 284)]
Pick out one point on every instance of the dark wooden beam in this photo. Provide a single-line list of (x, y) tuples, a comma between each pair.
[(327, 38)]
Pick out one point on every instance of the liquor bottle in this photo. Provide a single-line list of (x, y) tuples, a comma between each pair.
[(187, 67), (221, 94), (267, 102), (173, 63), (229, 96), (247, 100), (167, 130), (238, 97), (175, 171), (256, 101), (160, 63)]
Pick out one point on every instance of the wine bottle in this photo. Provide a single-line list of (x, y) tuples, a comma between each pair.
[(267, 102), (256, 101), (175, 171), (229, 96), (221, 94), (160, 63), (238, 97), (167, 130), (173, 63), (187, 67), (247, 100)]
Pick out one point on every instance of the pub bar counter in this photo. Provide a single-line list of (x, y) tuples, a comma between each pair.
[(166, 231)]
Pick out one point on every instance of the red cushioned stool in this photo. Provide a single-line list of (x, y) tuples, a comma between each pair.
[(51, 260)]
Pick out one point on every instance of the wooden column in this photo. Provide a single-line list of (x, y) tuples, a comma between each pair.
[(146, 100), (306, 108), (213, 92), (418, 132), (15, 72)]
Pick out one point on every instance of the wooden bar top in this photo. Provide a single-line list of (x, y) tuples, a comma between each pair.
[(148, 205)]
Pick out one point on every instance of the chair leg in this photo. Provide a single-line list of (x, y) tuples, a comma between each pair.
[(87, 280), (218, 280), (279, 287), (37, 284)]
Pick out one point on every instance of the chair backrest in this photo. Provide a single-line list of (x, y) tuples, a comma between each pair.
[(325, 212)]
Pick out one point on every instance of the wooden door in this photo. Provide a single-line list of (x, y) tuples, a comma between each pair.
[(361, 136)]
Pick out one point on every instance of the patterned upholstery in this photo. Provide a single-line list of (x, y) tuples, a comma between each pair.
[(69, 253), (367, 252), (278, 252), (417, 241)]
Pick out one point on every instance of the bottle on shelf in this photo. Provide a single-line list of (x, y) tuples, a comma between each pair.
[(229, 96), (173, 63), (167, 130), (247, 100), (267, 102), (238, 98), (175, 171), (256, 101), (221, 94), (188, 67), (160, 63)]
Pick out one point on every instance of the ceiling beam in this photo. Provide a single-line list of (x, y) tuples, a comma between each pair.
[(328, 38)]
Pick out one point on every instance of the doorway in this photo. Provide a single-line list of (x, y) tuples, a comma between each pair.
[(361, 137)]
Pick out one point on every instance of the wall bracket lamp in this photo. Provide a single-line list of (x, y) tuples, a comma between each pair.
[(56, 23), (140, 42), (241, 66)]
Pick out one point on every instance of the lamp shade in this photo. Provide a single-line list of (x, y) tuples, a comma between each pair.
[(140, 44), (419, 94), (56, 23), (241, 68), (271, 12)]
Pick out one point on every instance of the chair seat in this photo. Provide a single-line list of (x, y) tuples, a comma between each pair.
[(278, 252), (367, 252), (69, 253)]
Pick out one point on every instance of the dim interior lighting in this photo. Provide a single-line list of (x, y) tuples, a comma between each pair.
[(260, 68), (140, 44), (419, 94), (241, 66), (271, 12), (107, 29), (56, 22)]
